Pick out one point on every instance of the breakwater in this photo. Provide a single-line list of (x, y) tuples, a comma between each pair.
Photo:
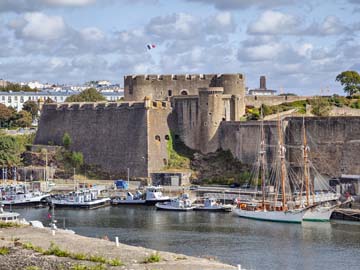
[(80, 250)]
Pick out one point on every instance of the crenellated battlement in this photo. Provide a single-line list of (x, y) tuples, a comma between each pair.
[(81, 106), (180, 77), (165, 87)]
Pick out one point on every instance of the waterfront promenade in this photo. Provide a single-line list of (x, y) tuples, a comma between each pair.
[(132, 257)]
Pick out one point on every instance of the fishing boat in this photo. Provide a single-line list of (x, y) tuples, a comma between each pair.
[(19, 195), (182, 203), (86, 198), (212, 205), (129, 199), (154, 195), (11, 217)]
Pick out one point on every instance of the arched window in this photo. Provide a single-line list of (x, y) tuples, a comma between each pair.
[(169, 92), (157, 138), (184, 92), (167, 137)]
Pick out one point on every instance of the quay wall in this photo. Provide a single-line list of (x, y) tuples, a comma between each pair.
[(334, 142), (257, 101)]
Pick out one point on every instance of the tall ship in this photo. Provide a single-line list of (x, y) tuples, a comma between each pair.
[(285, 196)]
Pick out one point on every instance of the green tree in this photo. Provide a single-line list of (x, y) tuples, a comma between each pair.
[(66, 140), (350, 80), (9, 151), (15, 87), (320, 107), (6, 115), (77, 159), (31, 107), (24, 119), (88, 95)]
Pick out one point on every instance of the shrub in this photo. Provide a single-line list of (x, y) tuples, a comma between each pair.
[(8, 224), (96, 258), (153, 258), (66, 140), (4, 250), (115, 262)]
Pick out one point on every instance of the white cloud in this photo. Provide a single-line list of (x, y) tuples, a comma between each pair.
[(69, 2), (92, 34), (274, 22), (224, 18), (261, 52), (240, 4), (39, 26), (331, 25), (177, 25)]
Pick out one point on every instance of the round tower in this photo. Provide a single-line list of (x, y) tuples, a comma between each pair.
[(211, 114), (136, 88), (233, 84)]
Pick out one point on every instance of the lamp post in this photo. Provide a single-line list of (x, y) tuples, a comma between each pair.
[(128, 177)]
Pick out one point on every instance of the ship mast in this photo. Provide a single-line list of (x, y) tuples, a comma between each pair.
[(282, 159), (306, 164), (262, 155)]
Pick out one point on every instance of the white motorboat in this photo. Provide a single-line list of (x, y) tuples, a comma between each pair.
[(129, 199), (19, 195), (86, 198), (182, 203), (211, 204), (11, 217), (155, 195), (320, 213)]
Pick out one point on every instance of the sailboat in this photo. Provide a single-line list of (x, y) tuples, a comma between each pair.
[(320, 205), (294, 208), (266, 210)]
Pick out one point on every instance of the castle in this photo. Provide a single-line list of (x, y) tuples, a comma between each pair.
[(203, 110)]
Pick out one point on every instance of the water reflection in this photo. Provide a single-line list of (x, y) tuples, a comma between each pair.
[(253, 244)]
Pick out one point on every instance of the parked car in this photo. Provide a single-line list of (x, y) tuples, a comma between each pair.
[(235, 185), (194, 187)]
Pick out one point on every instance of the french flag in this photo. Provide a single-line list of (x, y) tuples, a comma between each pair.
[(151, 46)]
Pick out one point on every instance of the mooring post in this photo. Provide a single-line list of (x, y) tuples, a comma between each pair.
[(117, 241)]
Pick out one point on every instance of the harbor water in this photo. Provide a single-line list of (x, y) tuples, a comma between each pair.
[(223, 236)]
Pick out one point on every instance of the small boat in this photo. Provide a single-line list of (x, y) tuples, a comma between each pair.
[(154, 195), (86, 199), (19, 195), (11, 217), (129, 199), (211, 204), (320, 213), (181, 203)]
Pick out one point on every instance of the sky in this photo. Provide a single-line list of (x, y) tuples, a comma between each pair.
[(300, 46)]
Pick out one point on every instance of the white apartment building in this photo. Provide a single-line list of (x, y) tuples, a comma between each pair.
[(17, 99)]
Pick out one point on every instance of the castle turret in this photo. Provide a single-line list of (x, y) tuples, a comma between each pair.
[(211, 115), (234, 84)]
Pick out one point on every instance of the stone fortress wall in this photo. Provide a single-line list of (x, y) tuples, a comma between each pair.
[(334, 142), (203, 110), (115, 136)]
